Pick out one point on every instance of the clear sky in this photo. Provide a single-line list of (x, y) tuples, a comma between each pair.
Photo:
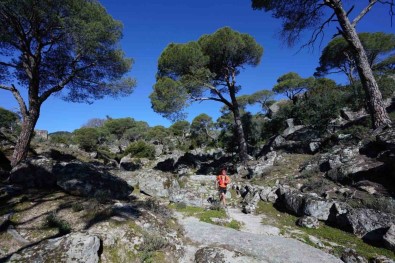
[(149, 26)]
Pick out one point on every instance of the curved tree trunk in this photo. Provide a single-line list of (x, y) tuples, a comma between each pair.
[(24, 138), (375, 103)]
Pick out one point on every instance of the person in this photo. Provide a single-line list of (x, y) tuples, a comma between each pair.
[(222, 182)]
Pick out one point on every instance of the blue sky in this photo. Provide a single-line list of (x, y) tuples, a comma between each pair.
[(149, 26)]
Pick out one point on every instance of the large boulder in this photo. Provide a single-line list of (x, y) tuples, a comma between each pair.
[(317, 208), (369, 224), (85, 179), (74, 247), (156, 183), (291, 200), (34, 173)]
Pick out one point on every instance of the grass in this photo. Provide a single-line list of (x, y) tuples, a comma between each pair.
[(53, 221), (325, 233), (205, 215)]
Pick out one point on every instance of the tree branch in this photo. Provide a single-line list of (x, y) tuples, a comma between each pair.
[(18, 97), (219, 94), (7, 64), (363, 12), (62, 83)]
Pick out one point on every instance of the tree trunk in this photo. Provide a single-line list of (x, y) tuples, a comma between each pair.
[(375, 103), (23, 142), (239, 127)]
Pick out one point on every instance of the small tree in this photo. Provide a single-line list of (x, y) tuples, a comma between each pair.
[(299, 15), (205, 70), (50, 46), (291, 84), (87, 138), (202, 129)]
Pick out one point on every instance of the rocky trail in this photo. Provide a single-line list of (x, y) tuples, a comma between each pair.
[(254, 242)]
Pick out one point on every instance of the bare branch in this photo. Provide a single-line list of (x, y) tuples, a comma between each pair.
[(363, 12), (8, 64), (318, 31), (18, 97), (219, 94)]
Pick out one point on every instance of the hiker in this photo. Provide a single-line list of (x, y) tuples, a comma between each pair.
[(222, 182)]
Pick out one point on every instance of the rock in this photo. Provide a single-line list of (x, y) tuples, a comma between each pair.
[(264, 164), (278, 141), (74, 247), (250, 202), (317, 208), (84, 179), (196, 190), (381, 259), (314, 147), (127, 163), (4, 221), (291, 127), (389, 238), (349, 115), (308, 221), (293, 201), (34, 173), (351, 256), (369, 224), (221, 255), (155, 183)]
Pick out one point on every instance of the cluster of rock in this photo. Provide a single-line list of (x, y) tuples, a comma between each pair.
[(371, 225), (74, 177)]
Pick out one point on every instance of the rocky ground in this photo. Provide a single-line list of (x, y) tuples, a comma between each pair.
[(288, 205)]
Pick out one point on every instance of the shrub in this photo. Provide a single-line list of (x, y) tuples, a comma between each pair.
[(141, 149), (52, 220), (87, 138)]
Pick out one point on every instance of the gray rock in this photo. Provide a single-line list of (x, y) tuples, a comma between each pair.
[(127, 163), (74, 247), (368, 223), (308, 221), (4, 221), (34, 173), (291, 128), (351, 256), (264, 164), (349, 115), (87, 180), (317, 208), (293, 201), (221, 255), (155, 183), (250, 202), (389, 238), (381, 259)]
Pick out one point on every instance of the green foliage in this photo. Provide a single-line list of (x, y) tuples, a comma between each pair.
[(291, 84), (77, 43), (337, 55), (118, 127), (87, 138), (8, 118), (202, 127), (140, 149), (61, 137), (186, 72), (180, 128), (52, 220), (159, 133), (262, 97)]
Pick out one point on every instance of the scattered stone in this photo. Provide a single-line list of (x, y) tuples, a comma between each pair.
[(317, 208), (381, 259), (221, 255), (308, 221), (351, 256)]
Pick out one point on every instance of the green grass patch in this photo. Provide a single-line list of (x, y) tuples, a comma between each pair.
[(275, 217), (327, 233)]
